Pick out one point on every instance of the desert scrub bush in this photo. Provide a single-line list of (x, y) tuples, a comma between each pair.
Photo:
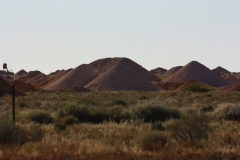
[(118, 114), (195, 87), (144, 97), (69, 120), (228, 111), (191, 127), (207, 109), (41, 117), (157, 126), (59, 126), (152, 113), (152, 140), (86, 102), (119, 102)]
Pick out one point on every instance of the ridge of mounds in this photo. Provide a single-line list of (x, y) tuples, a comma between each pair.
[(195, 85), (169, 86), (21, 86), (78, 77), (158, 70), (198, 72), (231, 79), (33, 77), (120, 77), (21, 72), (172, 70), (235, 88), (6, 89), (104, 64), (220, 70)]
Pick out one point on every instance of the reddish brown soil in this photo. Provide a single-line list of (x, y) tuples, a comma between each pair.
[(6, 89), (169, 86), (173, 70), (220, 70), (79, 89), (198, 72), (119, 77), (231, 79), (158, 70), (21, 86), (235, 88), (184, 85), (33, 77), (104, 64), (21, 72)]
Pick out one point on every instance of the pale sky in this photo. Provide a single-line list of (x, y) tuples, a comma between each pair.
[(47, 35)]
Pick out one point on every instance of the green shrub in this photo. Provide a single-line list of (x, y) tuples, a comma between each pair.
[(59, 126), (191, 127), (228, 111), (98, 115), (207, 109), (118, 114), (86, 102), (120, 102), (143, 98), (154, 113), (157, 126), (41, 117), (69, 120), (196, 87), (80, 112), (154, 140), (23, 105)]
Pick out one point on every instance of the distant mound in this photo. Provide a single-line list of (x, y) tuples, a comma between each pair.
[(231, 79), (21, 72), (21, 86), (235, 88), (173, 70), (104, 64), (79, 89), (6, 88), (78, 77), (169, 86), (219, 70), (158, 70), (198, 72), (120, 77), (33, 77), (195, 87)]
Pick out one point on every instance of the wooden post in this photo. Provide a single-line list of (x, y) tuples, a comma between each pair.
[(13, 102)]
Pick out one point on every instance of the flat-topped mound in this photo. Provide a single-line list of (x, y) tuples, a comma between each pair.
[(78, 77), (6, 89), (119, 77), (21, 72), (104, 64), (158, 70), (21, 86), (220, 70), (231, 79), (198, 72), (169, 86), (173, 70)]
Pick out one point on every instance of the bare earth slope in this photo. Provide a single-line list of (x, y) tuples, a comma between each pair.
[(173, 70), (158, 70), (23, 87), (231, 79), (220, 70), (106, 63), (78, 77), (198, 72), (21, 72), (6, 88), (33, 77), (120, 77)]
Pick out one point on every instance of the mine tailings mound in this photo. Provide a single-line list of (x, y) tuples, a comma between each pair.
[(78, 77), (198, 72), (21, 72), (6, 89), (186, 84), (231, 79), (120, 77), (220, 70), (104, 64), (235, 88), (169, 86), (158, 70), (172, 70), (33, 77), (21, 86)]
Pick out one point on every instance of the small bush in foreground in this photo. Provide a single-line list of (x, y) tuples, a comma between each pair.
[(192, 127), (157, 126), (59, 126), (228, 111), (154, 140), (69, 120), (207, 109), (41, 117), (120, 102)]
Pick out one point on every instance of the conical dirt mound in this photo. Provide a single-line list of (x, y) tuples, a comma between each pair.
[(198, 72), (33, 77), (158, 70), (220, 70), (172, 70), (6, 88), (21, 72), (78, 77), (119, 77), (104, 64), (231, 79), (21, 86)]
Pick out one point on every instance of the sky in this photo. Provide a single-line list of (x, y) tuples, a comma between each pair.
[(48, 35)]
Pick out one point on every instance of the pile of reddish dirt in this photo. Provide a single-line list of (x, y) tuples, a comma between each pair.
[(224, 88), (158, 70), (79, 77), (21, 72), (21, 86), (169, 86), (231, 79), (79, 89), (235, 88), (186, 84), (198, 72), (120, 77), (172, 70), (33, 77), (6, 89), (104, 64), (220, 70)]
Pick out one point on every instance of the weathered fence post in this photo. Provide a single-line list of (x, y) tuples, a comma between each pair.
[(13, 102)]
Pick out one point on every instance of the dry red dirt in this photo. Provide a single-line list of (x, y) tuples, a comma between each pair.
[(169, 86), (219, 70), (21, 86), (6, 89)]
